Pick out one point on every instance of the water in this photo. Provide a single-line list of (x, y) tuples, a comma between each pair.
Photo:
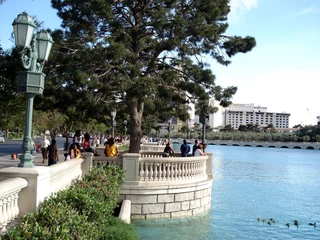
[(251, 183)]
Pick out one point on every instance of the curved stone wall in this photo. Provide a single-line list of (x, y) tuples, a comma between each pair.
[(167, 201)]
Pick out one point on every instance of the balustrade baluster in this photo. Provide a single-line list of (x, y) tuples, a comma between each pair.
[(15, 203), (168, 171), (11, 207), (164, 178), (4, 213), (2, 222), (141, 171), (172, 172), (151, 172), (147, 171), (160, 171), (156, 171)]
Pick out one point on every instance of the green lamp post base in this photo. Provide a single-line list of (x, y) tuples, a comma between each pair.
[(26, 158)]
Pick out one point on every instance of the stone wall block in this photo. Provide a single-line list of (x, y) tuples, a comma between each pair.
[(136, 209), (208, 206), (185, 205), (181, 214), (172, 207), (197, 210), (138, 217), (205, 200), (179, 197), (142, 199), (198, 194), (164, 198), (195, 204), (158, 216), (152, 208)]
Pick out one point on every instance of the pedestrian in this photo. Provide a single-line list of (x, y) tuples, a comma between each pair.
[(53, 155), (199, 151), (86, 145), (184, 149), (204, 147), (195, 146), (44, 146), (111, 149), (168, 151)]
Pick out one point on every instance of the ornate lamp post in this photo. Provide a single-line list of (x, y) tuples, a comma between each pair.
[(113, 123), (169, 127), (36, 50)]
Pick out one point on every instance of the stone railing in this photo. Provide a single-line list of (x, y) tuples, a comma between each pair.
[(166, 187), (65, 174), (37, 184), (9, 195), (105, 161), (153, 147), (154, 168)]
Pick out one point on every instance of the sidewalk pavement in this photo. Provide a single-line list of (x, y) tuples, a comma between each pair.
[(7, 161)]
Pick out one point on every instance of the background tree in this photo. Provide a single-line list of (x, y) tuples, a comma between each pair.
[(150, 50), (12, 104)]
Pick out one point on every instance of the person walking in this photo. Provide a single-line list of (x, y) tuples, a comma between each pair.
[(44, 146), (195, 146), (184, 149), (53, 155)]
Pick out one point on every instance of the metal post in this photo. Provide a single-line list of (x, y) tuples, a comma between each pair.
[(26, 159), (169, 131)]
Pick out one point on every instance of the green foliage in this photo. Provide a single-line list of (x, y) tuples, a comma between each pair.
[(123, 147), (148, 54), (84, 211)]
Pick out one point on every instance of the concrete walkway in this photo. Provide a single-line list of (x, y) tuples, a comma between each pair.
[(7, 161)]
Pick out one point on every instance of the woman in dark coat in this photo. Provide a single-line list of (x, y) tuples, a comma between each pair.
[(53, 153)]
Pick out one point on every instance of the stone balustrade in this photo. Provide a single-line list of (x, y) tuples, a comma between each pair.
[(9, 197), (64, 175), (105, 161), (158, 187), (153, 147), (154, 168), (36, 184)]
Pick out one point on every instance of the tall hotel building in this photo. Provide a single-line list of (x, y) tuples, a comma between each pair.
[(242, 114)]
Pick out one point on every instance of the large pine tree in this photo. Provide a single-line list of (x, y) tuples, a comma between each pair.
[(149, 53)]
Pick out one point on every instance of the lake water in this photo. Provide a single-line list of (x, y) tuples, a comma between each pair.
[(251, 183)]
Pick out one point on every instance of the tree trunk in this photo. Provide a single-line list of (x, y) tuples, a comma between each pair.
[(136, 110)]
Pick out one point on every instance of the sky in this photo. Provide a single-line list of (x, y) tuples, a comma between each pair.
[(281, 73)]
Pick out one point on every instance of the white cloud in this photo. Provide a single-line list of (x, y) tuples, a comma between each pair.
[(240, 7), (306, 11)]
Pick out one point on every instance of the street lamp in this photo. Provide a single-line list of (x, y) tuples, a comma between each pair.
[(125, 130), (169, 127), (36, 50), (113, 123)]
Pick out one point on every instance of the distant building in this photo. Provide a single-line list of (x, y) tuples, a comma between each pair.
[(318, 120), (242, 114)]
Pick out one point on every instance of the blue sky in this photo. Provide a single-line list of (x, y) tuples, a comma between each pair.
[(282, 73)]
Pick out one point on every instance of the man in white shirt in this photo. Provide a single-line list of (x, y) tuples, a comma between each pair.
[(44, 145)]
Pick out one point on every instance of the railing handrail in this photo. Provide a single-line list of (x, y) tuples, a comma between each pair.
[(9, 194), (11, 185), (172, 159)]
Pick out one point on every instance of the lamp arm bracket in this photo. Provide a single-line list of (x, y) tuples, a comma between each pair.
[(26, 57)]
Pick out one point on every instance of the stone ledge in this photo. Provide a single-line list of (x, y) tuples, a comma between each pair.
[(158, 216)]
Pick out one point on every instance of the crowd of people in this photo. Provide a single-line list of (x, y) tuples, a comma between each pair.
[(83, 143), (185, 150)]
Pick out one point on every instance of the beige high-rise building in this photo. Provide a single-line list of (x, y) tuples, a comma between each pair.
[(242, 114)]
